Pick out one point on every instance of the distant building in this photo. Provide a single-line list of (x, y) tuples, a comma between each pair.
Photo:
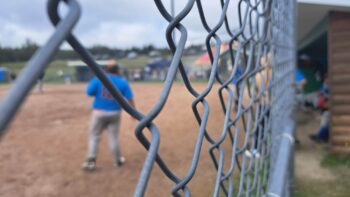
[(154, 54), (82, 71), (132, 55), (84, 74)]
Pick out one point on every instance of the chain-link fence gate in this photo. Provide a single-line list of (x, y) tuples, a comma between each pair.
[(260, 98)]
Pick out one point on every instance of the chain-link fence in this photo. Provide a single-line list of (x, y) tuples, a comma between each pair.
[(255, 93)]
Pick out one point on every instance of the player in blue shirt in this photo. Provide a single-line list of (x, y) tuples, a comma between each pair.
[(300, 82), (300, 79), (106, 115)]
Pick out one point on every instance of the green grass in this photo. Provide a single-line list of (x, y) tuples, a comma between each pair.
[(340, 187), (333, 160), (51, 74), (337, 188), (138, 62), (142, 61)]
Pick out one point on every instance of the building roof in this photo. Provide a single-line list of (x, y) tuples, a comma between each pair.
[(312, 17), (78, 63)]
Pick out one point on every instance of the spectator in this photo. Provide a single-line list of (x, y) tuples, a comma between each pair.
[(40, 82), (300, 82)]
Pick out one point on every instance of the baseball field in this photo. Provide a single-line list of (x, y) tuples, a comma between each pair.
[(44, 148)]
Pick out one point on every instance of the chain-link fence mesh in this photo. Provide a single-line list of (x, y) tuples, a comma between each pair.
[(255, 75)]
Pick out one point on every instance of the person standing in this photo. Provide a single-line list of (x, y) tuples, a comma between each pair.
[(106, 115), (40, 83), (238, 74)]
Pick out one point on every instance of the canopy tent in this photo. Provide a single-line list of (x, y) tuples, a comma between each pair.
[(159, 63), (204, 59)]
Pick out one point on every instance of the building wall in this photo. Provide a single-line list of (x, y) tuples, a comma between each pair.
[(339, 76)]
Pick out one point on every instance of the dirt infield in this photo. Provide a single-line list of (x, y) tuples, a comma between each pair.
[(46, 145)]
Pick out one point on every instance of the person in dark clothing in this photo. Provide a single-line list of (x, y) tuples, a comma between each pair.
[(40, 82)]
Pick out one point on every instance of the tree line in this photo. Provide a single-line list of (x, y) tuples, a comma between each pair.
[(26, 51)]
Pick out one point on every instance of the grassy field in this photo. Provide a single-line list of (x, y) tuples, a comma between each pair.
[(51, 74), (318, 172), (52, 71), (138, 62), (338, 186)]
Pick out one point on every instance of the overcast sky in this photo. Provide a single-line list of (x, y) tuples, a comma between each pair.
[(115, 23)]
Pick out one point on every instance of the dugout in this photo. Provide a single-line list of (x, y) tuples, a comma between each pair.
[(324, 35)]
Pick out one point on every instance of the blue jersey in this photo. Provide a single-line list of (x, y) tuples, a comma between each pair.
[(299, 76), (103, 99), (238, 74)]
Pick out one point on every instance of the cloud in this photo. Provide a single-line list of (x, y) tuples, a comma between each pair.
[(115, 23), (123, 35), (15, 35)]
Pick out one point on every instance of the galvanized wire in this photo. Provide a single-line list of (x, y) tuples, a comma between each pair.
[(260, 100)]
